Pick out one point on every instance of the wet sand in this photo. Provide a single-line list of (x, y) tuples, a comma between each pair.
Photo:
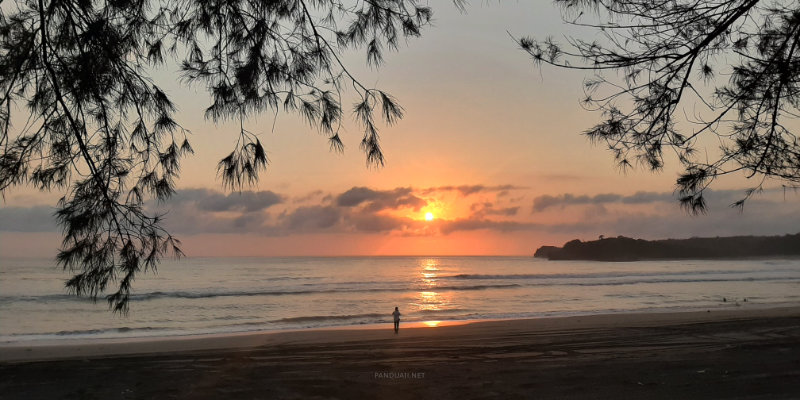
[(739, 353)]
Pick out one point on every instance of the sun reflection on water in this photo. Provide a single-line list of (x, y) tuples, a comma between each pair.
[(431, 264), (429, 299), (430, 272)]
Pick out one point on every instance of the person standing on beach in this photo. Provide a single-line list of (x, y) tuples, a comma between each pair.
[(396, 315)]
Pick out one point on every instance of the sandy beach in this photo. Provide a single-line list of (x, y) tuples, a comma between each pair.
[(738, 353)]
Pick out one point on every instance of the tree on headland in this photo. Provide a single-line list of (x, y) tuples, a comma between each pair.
[(685, 75), (81, 114)]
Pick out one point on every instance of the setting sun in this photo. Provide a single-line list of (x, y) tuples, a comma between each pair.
[(428, 216)]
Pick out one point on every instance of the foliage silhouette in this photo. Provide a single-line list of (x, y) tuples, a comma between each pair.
[(735, 63), (102, 132)]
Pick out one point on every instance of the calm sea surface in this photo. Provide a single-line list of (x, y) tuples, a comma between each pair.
[(222, 295)]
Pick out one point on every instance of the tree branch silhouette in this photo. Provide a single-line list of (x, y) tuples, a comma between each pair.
[(97, 128), (658, 50)]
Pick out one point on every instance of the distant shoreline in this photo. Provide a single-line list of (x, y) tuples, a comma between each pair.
[(622, 248)]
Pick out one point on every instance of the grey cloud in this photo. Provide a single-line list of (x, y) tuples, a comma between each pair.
[(606, 198), (248, 222), (466, 190), (376, 200), (767, 215), (308, 197), (182, 219), (311, 218), (333, 219), (27, 219), (377, 223), (358, 195), (723, 198), (194, 211), (679, 225), (478, 224), (214, 201), (487, 208), (185, 220), (544, 202), (507, 211), (647, 197), (653, 226), (480, 206)]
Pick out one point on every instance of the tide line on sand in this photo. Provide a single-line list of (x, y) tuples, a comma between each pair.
[(741, 353), (22, 352)]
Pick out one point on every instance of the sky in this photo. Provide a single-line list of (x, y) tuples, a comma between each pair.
[(490, 145)]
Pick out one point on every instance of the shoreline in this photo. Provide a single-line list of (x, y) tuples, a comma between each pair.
[(56, 340), (742, 354), (88, 348)]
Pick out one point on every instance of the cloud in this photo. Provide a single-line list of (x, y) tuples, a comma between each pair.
[(377, 200), (311, 218), (466, 190), (377, 223), (308, 197), (214, 201), (769, 214), (507, 211), (563, 177), (487, 208), (721, 198), (187, 218), (647, 197), (341, 219), (544, 202), (761, 220), (28, 219), (728, 222), (469, 224), (375, 211)]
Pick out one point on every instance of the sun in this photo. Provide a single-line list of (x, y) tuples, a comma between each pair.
[(428, 216)]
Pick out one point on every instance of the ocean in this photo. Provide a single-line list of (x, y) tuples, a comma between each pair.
[(196, 296)]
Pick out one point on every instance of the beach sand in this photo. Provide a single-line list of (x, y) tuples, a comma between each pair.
[(740, 353)]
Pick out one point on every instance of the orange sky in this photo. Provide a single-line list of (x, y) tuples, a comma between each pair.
[(490, 145)]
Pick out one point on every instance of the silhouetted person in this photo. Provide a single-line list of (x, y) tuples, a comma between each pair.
[(396, 315)]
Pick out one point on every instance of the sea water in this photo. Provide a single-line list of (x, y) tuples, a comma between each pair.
[(225, 295)]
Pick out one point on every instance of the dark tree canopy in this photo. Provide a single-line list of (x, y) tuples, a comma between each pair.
[(688, 74), (80, 113)]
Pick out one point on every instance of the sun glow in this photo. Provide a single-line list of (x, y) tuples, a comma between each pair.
[(428, 216)]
